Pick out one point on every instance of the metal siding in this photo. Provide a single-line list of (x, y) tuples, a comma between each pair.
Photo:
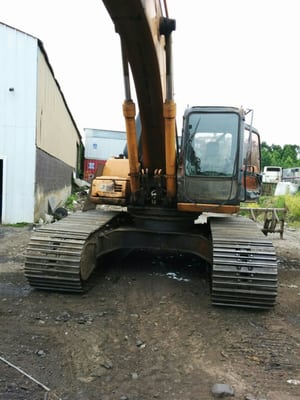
[(56, 132), (101, 144), (90, 168), (18, 71)]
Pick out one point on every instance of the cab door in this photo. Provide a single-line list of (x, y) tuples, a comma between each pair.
[(251, 181)]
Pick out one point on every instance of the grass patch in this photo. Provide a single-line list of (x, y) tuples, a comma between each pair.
[(18, 224), (290, 202), (293, 207)]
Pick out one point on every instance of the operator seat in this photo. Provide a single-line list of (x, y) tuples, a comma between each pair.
[(211, 161)]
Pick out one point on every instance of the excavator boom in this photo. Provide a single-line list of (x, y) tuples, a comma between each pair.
[(138, 24)]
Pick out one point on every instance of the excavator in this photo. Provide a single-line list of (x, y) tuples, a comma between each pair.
[(152, 197)]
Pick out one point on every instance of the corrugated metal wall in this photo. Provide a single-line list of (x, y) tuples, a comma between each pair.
[(18, 75), (56, 132), (57, 141), (39, 140)]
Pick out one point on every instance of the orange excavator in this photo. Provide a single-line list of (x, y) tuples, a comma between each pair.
[(165, 181)]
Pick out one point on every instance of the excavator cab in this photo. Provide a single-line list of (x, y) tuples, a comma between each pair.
[(219, 163)]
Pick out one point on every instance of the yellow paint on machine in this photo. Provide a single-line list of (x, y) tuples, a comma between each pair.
[(214, 208)]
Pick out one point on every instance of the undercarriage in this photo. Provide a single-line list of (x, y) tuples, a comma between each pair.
[(240, 260)]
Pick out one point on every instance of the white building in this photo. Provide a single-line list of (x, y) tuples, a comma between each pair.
[(101, 144), (40, 145)]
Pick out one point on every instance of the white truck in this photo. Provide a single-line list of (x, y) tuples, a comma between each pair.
[(272, 174)]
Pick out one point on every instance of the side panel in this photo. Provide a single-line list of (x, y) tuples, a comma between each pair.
[(57, 134), (209, 190), (90, 168), (18, 71)]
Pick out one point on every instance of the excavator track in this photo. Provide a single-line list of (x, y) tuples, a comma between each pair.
[(244, 264), (61, 256)]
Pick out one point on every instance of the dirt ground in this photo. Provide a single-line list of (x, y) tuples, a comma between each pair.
[(145, 330)]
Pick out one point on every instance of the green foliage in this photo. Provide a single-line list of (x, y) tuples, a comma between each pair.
[(69, 203), (293, 207), (19, 224), (272, 202), (290, 202), (285, 157)]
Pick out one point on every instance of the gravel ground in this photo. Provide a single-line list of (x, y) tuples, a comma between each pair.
[(146, 330)]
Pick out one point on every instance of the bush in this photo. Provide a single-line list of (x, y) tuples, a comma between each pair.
[(293, 207), (272, 202), (71, 200)]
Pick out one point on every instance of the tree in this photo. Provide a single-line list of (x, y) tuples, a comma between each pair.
[(289, 156), (285, 157)]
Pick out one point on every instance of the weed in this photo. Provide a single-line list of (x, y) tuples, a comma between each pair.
[(69, 203)]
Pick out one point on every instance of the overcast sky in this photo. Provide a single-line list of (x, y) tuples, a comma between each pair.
[(226, 52)]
